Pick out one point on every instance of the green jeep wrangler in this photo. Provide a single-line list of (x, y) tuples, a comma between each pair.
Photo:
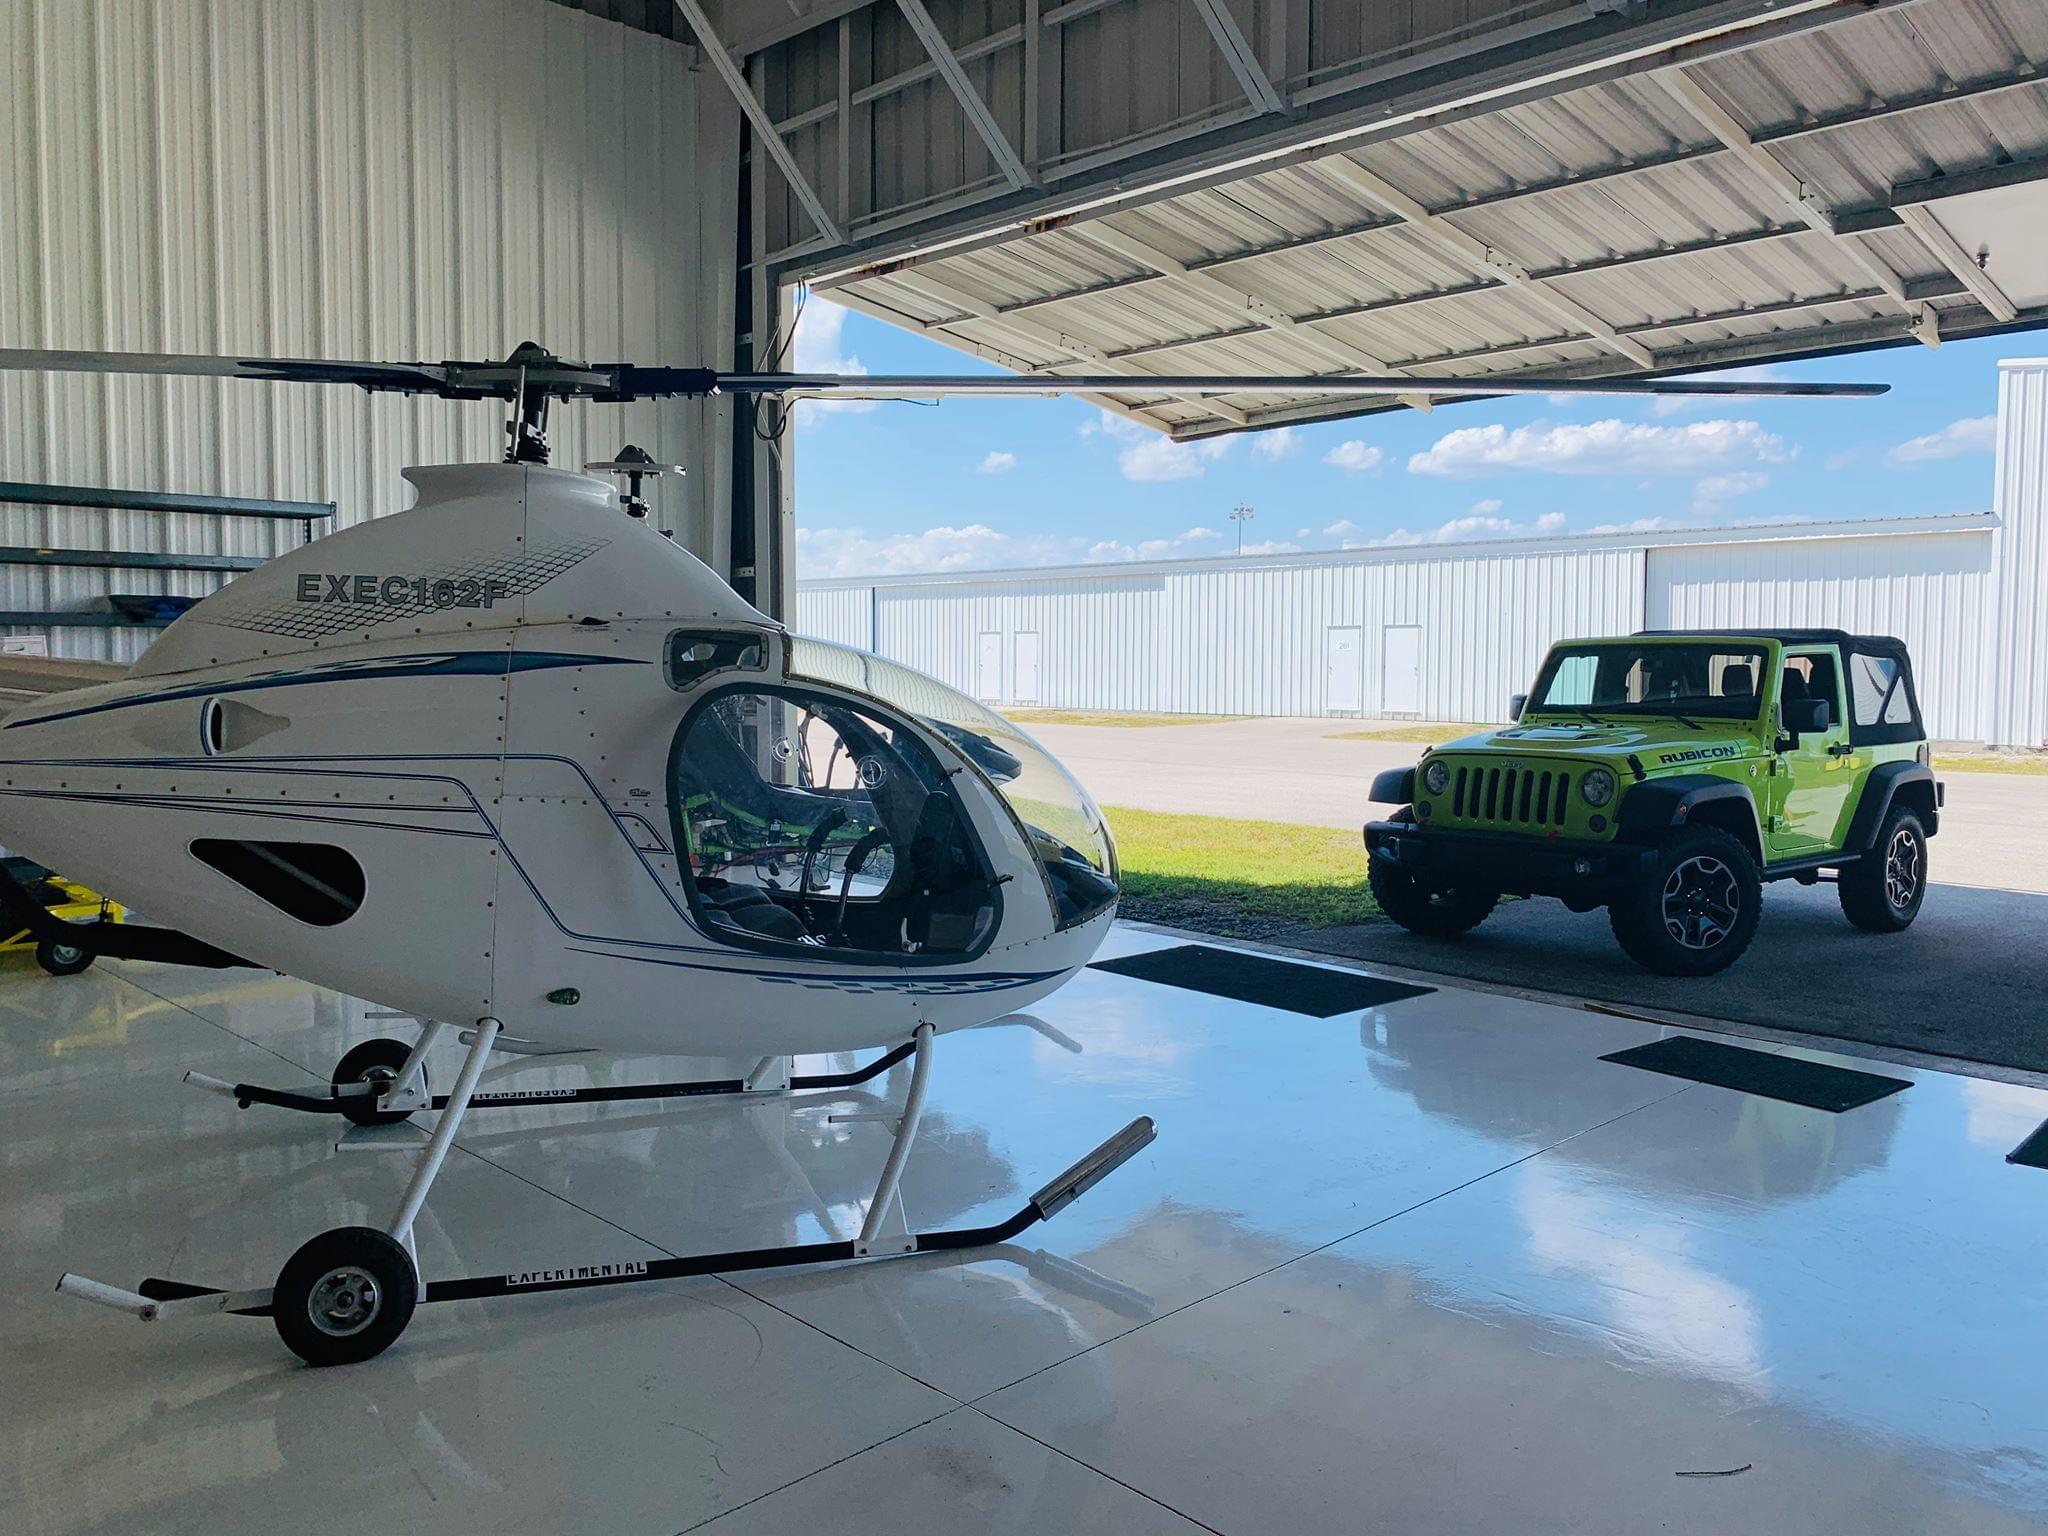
[(1666, 777)]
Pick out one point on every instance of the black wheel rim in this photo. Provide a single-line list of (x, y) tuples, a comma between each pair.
[(1902, 869), (1701, 902), (66, 954), (344, 1301)]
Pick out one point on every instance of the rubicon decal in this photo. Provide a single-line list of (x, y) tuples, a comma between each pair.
[(401, 591), (577, 1272), (1700, 754)]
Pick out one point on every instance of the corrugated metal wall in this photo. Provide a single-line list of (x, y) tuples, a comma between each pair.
[(2019, 713), (1257, 639), (1932, 591), (1250, 639), (342, 178)]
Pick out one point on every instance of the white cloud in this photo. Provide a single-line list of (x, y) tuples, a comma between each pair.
[(1344, 528), (997, 463), (1712, 490), (1842, 460), (1550, 522), (824, 552), (817, 349), (1149, 457), (1270, 547), (1280, 443), (1355, 457), (1973, 434), (1610, 447), (1638, 525), (1193, 542), (1486, 508)]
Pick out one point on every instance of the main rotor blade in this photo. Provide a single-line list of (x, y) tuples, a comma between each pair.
[(929, 386), (420, 376)]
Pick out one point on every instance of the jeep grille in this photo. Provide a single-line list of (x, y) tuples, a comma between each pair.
[(1511, 797)]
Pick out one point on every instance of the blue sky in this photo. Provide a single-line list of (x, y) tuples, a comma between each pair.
[(968, 485)]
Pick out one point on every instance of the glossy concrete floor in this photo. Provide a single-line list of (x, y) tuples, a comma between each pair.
[(1433, 1267)]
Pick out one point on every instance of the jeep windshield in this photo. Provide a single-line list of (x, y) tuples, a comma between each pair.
[(1599, 680)]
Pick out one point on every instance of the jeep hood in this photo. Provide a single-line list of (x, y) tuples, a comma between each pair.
[(1649, 738)]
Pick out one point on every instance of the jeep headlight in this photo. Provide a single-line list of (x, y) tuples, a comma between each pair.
[(1436, 776), (1597, 787)]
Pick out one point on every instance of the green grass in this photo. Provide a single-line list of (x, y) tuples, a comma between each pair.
[(1110, 718), (1429, 733), (1238, 877), (1991, 762)]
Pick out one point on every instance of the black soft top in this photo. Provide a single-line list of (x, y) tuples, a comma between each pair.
[(1877, 731), (1882, 645)]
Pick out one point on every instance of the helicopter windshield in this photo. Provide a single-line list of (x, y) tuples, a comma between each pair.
[(1065, 829)]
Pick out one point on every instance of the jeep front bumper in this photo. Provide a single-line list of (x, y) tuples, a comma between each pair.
[(1583, 873)]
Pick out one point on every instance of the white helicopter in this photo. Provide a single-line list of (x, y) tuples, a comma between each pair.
[(512, 762)]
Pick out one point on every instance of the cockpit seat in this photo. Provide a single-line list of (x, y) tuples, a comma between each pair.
[(748, 909)]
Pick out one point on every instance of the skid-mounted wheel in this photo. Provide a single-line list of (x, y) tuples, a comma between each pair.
[(374, 1061), (63, 959), (345, 1296)]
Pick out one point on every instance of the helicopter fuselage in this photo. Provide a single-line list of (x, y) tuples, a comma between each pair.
[(439, 762)]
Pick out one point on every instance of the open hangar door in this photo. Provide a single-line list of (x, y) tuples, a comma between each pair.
[(1475, 187)]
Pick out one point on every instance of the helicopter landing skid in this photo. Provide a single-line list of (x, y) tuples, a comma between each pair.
[(337, 1100), (347, 1294)]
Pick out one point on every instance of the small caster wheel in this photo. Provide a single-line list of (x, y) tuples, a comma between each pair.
[(63, 959), (345, 1296), (374, 1061)]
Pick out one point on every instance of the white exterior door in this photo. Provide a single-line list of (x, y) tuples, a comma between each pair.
[(988, 667), (1401, 669), (1026, 660), (1342, 671)]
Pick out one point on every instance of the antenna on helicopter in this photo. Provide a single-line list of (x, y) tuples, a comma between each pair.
[(632, 466)]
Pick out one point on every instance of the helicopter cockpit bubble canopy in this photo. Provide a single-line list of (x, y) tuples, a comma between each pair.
[(1061, 823)]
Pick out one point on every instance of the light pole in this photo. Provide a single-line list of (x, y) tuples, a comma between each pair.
[(1240, 516)]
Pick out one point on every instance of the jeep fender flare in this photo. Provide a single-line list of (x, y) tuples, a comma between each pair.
[(1657, 806), (1394, 786), (1889, 784)]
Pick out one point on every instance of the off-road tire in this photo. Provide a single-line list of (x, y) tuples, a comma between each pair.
[(1882, 891), (371, 1060), (1696, 907), (1432, 914), (345, 1296)]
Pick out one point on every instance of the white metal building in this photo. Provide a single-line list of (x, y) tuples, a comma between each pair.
[(1448, 632)]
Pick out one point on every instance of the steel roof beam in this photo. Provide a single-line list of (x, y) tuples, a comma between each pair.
[(979, 117), (1002, 359), (1073, 350), (1926, 228), (1242, 301), (764, 125), (1237, 52), (1484, 258), (1791, 190)]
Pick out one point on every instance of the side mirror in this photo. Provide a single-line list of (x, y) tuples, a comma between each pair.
[(1806, 717), (1517, 702)]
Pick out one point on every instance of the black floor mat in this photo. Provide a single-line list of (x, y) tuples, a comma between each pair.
[(1789, 1078), (1305, 989), (2033, 1152)]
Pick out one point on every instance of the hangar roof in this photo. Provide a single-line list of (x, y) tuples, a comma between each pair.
[(1846, 176)]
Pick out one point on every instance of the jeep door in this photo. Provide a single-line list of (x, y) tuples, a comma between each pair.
[(1811, 787)]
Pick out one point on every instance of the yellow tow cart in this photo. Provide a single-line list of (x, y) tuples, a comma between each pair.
[(61, 898)]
